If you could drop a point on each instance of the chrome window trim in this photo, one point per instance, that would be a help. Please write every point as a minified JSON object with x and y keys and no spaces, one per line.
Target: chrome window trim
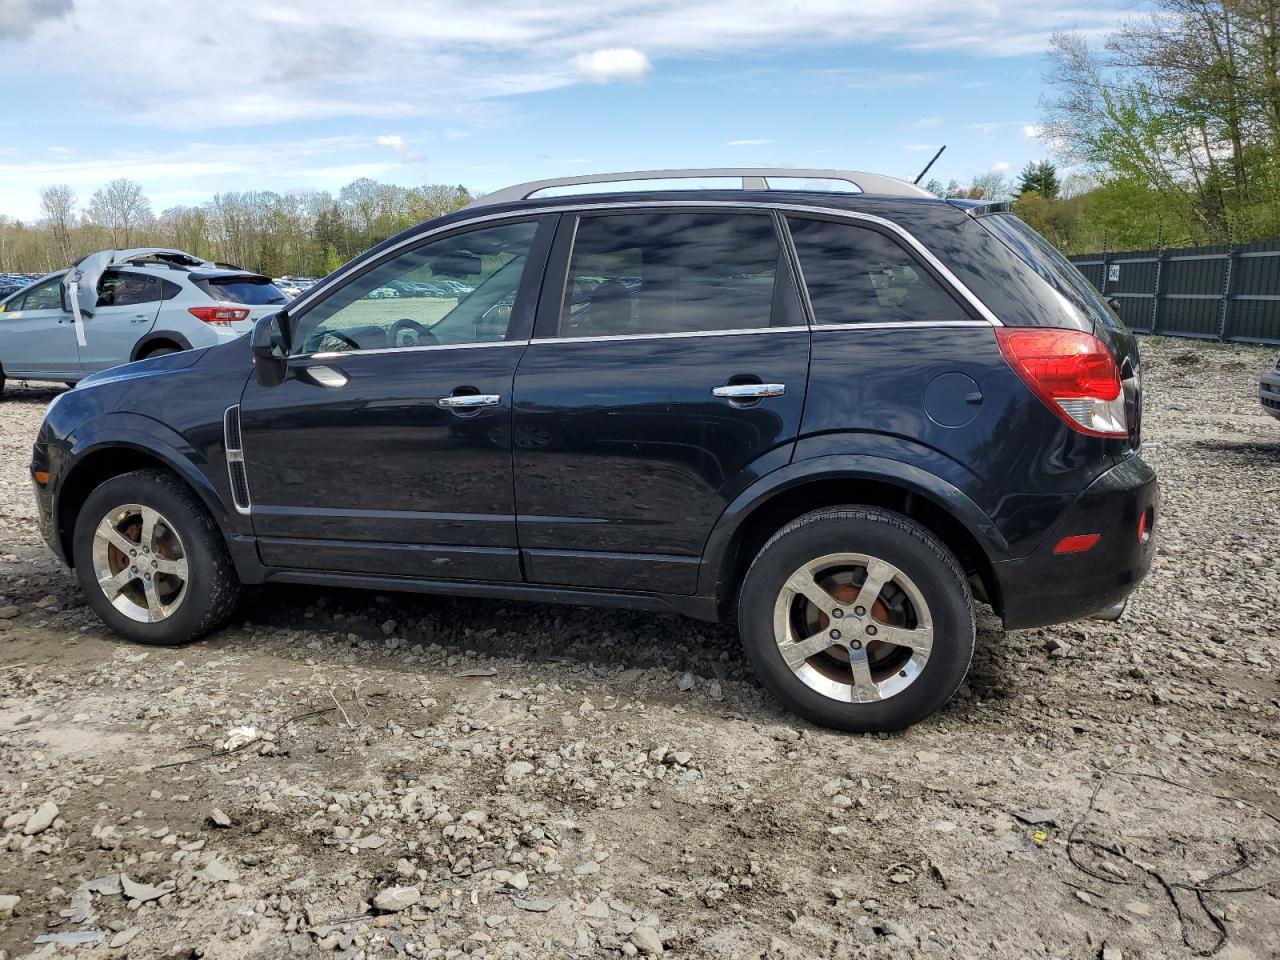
{"x":585,"y":206}
{"x":339,"y":354}
{"x":899,"y":324}
{"x":683,"y":334}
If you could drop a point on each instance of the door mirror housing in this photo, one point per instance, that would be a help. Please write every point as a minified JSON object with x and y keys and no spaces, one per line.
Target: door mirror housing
{"x":270,"y":348}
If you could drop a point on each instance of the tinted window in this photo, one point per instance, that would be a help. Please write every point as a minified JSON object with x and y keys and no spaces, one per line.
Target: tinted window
{"x":857,"y":275}
{"x":671,"y":273}
{"x":119,"y":288}
{"x":47,"y":296}
{"x":247,"y":290}
{"x":460,"y":289}
{"x":1042,"y":257}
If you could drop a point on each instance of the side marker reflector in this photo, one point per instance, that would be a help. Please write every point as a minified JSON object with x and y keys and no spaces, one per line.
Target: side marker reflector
{"x":1079,"y":543}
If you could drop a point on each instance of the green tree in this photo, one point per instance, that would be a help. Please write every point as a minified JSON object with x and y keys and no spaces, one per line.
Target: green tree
{"x":1042,"y":178}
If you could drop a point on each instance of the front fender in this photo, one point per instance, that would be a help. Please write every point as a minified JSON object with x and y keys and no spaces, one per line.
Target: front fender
{"x":846,"y":466}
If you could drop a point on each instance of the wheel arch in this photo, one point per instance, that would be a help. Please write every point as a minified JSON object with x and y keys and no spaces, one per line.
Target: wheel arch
{"x":806,"y":485}
{"x":159,"y":338}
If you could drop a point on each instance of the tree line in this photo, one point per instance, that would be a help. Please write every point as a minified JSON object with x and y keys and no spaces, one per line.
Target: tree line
{"x":278,"y":234}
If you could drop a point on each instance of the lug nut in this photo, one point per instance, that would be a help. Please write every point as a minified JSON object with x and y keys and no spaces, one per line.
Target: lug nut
{"x":871,"y":631}
{"x":856,"y":644}
{"x":860,"y":611}
{"x":835,"y":634}
{"x":837,"y":613}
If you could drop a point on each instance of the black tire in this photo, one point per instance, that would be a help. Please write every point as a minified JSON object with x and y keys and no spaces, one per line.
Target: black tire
{"x":158,"y":352}
{"x":212,"y":588}
{"x":889,"y":537}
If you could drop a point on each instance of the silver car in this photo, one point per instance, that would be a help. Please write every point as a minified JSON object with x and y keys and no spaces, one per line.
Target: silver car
{"x":118,"y":306}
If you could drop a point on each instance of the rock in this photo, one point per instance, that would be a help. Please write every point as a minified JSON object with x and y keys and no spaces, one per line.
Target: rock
{"x":647,"y":940}
{"x":123,"y":937}
{"x":8,"y":612}
{"x":944,"y":826}
{"x":142,"y":892}
{"x":685,"y":683}
{"x":534,"y":906}
{"x":1110,"y":952}
{"x":215,"y":871}
{"x":8,"y":903}
{"x":41,"y":820}
{"x":927,"y":756}
{"x":586,"y":869}
{"x":219,"y":818}
{"x":395,"y":899}
{"x":516,"y":771}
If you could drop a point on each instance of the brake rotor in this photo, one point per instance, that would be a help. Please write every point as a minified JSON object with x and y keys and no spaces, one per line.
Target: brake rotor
{"x":847,"y":593}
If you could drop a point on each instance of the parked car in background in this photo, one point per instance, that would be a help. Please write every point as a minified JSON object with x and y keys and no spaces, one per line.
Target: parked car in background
{"x":13,"y":282}
{"x":1269,"y":391}
{"x":131,"y":304}
{"x":834,"y":417}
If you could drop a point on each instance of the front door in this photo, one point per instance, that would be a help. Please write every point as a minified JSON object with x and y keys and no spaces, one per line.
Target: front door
{"x":124,"y":311}
{"x":667,"y":371}
{"x":387,"y":449}
{"x":37,"y":336}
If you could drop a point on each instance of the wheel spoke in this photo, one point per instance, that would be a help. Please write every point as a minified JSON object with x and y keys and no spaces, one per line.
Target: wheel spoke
{"x":864,"y":689}
{"x":154,"y":607}
{"x":111,"y":586}
{"x":149,"y":518}
{"x":107,"y":530}
{"x":802,"y":582}
{"x":920,"y":639}
{"x":798,"y":651}
{"x":878,"y":574}
{"x":174,"y":568}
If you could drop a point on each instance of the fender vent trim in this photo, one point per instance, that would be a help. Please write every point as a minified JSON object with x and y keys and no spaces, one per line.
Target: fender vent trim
{"x":235,"y":460}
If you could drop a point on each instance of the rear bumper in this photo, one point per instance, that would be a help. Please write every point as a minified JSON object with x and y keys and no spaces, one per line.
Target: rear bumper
{"x":1045,"y":588}
{"x":1269,"y":392}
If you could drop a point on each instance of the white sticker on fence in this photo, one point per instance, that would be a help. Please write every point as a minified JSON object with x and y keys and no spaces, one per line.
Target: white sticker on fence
{"x":1113,"y":272}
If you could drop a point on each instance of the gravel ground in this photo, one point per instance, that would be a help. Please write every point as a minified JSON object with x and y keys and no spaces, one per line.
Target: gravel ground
{"x":438,"y":777}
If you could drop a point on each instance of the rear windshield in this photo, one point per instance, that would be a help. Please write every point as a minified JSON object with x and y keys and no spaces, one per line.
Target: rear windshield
{"x":248,"y":290}
{"x":1045,"y":259}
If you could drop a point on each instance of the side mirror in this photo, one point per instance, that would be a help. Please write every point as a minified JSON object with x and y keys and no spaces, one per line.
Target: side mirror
{"x":270,"y":351}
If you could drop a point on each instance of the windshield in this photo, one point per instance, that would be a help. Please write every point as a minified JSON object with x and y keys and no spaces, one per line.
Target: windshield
{"x":1046,"y":260}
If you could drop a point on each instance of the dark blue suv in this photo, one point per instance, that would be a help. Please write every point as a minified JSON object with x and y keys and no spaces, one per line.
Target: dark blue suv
{"x":828,"y":404}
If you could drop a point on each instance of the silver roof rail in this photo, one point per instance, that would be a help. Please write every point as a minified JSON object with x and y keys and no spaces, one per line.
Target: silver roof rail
{"x":753,"y":178}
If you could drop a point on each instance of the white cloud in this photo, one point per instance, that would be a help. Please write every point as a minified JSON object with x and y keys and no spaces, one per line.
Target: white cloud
{"x":612,"y":63}
{"x":1000,"y":166}
{"x":1031,"y":131}
{"x":400,"y":146}
{"x":928,"y":122}
{"x":756,"y":142}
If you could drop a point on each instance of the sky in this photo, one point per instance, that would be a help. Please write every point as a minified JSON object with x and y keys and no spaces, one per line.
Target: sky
{"x":192,"y":99}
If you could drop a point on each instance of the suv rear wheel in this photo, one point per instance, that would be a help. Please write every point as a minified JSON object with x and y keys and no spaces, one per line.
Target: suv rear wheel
{"x":151,"y":560}
{"x":857,"y":618}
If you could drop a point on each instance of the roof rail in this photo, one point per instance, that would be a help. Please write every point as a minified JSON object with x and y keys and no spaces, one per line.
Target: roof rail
{"x":753,"y":178}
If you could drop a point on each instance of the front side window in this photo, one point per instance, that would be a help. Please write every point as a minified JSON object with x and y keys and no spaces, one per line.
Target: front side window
{"x":120,"y":288}
{"x":47,"y":296}
{"x":858,"y":275}
{"x":459,"y":289}
{"x":651,"y":273}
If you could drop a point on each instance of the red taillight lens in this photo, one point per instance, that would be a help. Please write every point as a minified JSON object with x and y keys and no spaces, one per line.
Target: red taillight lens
{"x":1072,"y":372}
{"x":1080,"y":543}
{"x":219,"y":316}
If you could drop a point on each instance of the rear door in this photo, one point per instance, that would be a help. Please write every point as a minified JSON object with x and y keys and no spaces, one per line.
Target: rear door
{"x":124,"y":311}
{"x":667,"y":371}
{"x":37,"y":337}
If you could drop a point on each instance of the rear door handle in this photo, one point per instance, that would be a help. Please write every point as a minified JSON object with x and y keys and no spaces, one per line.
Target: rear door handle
{"x":749,"y":391}
{"x":470,"y":400}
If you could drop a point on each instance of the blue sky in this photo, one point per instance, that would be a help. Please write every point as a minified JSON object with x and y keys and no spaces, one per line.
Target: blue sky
{"x":192,"y":99}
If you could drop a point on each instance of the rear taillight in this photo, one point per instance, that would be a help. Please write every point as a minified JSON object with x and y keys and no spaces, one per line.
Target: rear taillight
{"x":1072,"y":372}
{"x":219,"y":316}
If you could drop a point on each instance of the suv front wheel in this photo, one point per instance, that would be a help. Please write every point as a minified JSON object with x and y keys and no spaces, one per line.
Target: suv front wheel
{"x":857,"y":618}
{"x":151,"y":560}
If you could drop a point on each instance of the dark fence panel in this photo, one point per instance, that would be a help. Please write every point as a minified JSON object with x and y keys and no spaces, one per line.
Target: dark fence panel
{"x":1218,"y":292}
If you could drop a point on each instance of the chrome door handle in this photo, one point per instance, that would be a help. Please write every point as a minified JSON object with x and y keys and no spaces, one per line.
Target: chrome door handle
{"x":749,"y":391}
{"x":470,"y":400}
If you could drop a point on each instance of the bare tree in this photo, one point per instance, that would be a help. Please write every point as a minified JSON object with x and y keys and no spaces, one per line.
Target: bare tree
{"x":58,"y":204}
{"x":122,"y":208}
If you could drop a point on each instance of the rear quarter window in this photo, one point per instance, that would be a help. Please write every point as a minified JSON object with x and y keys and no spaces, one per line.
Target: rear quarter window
{"x":856,"y":275}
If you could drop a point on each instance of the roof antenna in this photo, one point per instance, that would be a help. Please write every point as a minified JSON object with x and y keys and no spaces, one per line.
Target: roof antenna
{"x":930,"y":164}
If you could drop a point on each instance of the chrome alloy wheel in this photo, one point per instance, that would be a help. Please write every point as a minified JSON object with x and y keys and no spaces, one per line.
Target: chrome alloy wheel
{"x":853,"y":627}
{"x":139,"y":563}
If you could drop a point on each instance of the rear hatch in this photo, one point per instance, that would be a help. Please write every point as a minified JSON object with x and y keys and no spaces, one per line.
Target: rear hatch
{"x":240,"y":289}
{"x":1049,"y":263}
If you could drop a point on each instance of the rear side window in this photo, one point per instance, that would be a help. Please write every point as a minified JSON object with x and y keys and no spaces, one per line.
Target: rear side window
{"x":1042,"y":257}
{"x":856,"y":275}
{"x":250,"y":291}
{"x":121,"y":288}
{"x":650,"y":273}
